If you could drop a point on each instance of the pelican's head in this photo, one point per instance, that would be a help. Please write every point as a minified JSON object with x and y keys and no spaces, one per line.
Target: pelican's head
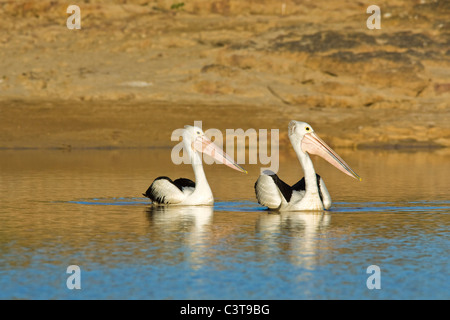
{"x":191,"y":133}
{"x":197,"y":142}
{"x":303,"y":135}
{"x":298,"y":129}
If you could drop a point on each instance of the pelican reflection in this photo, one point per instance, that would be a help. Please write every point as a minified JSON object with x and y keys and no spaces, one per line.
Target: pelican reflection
{"x":189,"y":225}
{"x":296,"y":234}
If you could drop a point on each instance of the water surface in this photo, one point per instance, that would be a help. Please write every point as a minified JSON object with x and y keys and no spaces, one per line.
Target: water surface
{"x":85,"y":208}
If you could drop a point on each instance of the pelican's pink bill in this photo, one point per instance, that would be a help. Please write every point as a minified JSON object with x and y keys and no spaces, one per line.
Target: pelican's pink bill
{"x":312,"y":144}
{"x":206,"y":146}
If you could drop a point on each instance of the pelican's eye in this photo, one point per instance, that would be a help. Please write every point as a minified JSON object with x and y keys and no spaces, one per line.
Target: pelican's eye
{"x":307,"y":128}
{"x":198,"y":132}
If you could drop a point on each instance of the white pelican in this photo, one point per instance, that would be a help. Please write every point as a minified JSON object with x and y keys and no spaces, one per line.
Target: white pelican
{"x":164,"y":191}
{"x":310,"y":193}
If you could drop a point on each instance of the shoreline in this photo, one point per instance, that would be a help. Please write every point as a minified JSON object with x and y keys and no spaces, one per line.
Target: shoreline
{"x":141,"y":125}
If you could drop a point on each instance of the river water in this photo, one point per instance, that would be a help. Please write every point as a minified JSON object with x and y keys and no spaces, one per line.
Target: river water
{"x":84,"y":207}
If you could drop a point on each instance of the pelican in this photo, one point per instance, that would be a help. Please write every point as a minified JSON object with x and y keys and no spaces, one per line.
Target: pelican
{"x":164,"y":191}
{"x":310,"y":193}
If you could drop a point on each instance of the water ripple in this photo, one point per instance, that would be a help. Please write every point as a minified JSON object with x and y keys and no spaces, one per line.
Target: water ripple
{"x":442,"y":206}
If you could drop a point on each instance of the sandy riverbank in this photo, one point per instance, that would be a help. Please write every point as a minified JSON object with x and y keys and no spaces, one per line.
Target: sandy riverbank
{"x":137,"y":70}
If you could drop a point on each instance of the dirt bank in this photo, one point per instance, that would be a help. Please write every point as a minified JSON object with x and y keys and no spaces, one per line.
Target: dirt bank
{"x":137,"y":70}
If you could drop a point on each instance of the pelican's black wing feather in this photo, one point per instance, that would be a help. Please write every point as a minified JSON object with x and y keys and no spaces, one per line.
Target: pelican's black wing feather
{"x":183,"y":182}
{"x":301,"y":186}
{"x":168,"y":192}
{"x":150,"y":191}
{"x":285,"y":189}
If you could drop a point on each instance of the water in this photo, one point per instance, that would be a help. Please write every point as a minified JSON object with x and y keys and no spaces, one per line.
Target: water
{"x":85,"y":208}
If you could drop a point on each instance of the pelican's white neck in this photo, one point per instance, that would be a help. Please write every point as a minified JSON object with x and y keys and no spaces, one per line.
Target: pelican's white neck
{"x":201,"y":184}
{"x":199,"y":173}
{"x":308,"y":167}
